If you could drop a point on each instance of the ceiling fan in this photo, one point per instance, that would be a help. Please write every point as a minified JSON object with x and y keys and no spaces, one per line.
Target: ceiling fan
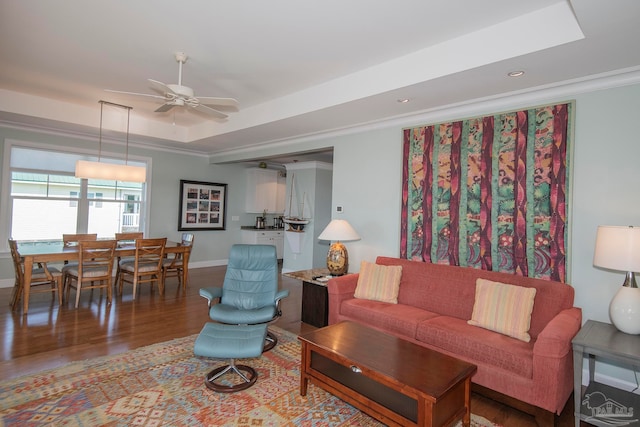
{"x":177,"y":95}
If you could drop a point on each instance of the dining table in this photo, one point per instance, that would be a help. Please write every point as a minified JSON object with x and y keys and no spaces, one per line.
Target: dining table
{"x":34,"y":252}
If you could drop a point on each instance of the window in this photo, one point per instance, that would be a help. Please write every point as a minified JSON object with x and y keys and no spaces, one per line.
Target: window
{"x":45,"y":199}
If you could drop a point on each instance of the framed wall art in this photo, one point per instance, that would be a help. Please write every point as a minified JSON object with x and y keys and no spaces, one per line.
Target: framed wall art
{"x":203,"y":205}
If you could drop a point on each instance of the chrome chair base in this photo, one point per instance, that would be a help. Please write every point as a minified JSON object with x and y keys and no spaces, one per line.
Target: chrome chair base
{"x":247,"y":380}
{"x":270,"y":341}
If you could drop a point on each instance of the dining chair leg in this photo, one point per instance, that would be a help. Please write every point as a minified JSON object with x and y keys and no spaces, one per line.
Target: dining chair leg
{"x":160,"y":278}
{"x":59,"y":284}
{"x":115,"y":282}
{"x":25,"y":299}
{"x":179,"y":280}
{"x":17,"y":295}
{"x":120,"y":284}
{"x":66,"y":284}
{"x":78,"y":287}
{"x":184,"y":277}
{"x":109,"y":292}
{"x":135,"y":286}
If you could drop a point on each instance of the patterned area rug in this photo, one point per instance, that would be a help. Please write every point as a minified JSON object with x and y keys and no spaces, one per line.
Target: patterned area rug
{"x":162,"y":384}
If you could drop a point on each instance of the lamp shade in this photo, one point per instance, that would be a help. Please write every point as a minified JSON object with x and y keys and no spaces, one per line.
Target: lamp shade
{"x":110,"y":171}
{"x":617,"y":248}
{"x":339,"y":229}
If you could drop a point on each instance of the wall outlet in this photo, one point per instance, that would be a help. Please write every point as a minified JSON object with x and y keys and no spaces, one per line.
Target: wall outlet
{"x":235,"y":218}
{"x":339,"y":209}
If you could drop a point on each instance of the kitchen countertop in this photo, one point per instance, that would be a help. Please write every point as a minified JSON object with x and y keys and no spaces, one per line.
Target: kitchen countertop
{"x":253,"y":228}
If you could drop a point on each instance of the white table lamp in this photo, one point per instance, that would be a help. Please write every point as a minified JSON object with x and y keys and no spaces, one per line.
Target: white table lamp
{"x":618,"y":248}
{"x":337,"y":257}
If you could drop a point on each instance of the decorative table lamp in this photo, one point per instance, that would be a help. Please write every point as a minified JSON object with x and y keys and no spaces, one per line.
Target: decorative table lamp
{"x":337,"y":257}
{"x":618,"y":248}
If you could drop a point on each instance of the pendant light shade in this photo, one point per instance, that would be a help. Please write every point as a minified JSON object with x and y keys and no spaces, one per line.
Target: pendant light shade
{"x":110,"y":171}
{"x":101,"y":170}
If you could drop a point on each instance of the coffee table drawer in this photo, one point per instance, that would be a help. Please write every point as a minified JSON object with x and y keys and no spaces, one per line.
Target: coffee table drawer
{"x":353,"y":378}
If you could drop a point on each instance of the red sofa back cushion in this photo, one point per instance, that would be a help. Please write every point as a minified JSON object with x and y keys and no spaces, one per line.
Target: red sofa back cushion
{"x":450,"y":290}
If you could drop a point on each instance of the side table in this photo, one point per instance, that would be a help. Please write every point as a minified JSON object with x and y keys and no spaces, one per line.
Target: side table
{"x":315,"y":299}
{"x":602,"y":404}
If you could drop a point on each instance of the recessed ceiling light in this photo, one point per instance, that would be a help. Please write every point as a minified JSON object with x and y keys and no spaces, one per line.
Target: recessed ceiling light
{"x":516,"y":73}
{"x":403,"y":100}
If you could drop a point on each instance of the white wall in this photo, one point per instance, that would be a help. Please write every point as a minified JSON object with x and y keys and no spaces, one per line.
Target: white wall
{"x":324,"y":188}
{"x":367,"y":181}
{"x":606,"y":167}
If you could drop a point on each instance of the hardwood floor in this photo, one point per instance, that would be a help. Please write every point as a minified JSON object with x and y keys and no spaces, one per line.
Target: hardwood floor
{"x":51,"y":336}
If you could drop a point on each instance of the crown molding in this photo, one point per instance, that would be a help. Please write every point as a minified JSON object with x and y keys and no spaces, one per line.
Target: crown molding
{"x":502,"y":102}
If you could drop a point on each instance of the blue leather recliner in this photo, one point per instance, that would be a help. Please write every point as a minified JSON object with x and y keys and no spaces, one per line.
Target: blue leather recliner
{"x":249,"y":294}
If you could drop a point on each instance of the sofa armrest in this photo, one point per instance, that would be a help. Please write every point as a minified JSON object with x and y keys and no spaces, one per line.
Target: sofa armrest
{"x":553,"y":360}
{"x":340,"y":289}
{"x":555,"y":338}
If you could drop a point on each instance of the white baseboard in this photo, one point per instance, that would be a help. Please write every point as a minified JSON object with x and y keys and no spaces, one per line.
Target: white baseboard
{"x":8,"y":283}
{"x":628,"y":383}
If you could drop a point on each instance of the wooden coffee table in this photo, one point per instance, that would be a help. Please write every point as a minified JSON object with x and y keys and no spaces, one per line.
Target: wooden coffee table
{"x":393,"y":380}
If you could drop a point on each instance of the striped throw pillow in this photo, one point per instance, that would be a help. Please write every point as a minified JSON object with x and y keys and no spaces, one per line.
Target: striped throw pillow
{"x":379,"y":282}
{"x":503,"y":308}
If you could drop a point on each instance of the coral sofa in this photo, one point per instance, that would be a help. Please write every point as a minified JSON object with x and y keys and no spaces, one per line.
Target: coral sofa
{"x":434,"y":304}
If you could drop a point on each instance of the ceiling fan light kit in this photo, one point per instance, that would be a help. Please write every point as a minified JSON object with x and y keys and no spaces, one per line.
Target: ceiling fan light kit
{"x":177,"y":95}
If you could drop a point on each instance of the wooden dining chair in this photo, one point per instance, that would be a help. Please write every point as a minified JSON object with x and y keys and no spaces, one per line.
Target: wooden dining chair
{"x":129,"y":237}
{"x":74,"y":239}
{"x":174,"y":265}
{"x":43,"y":279}
{"x":70,"y":240}
{"x":146,"y":266}
{"x":124,"y":238}
{"x":94,"y":269}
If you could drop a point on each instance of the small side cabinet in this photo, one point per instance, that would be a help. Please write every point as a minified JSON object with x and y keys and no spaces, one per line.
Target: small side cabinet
{"x":265,"y":237}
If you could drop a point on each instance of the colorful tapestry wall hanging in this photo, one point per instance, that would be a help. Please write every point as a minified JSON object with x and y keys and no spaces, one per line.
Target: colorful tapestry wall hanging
{"x":489,"y":192}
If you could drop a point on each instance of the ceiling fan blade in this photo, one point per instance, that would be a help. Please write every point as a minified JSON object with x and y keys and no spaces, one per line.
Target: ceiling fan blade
{"x":210,"y":111}
{"x":135,"y":93}
{"x":212,"y":100}
{"x":164,"y":108}
{"x":160,"y":87}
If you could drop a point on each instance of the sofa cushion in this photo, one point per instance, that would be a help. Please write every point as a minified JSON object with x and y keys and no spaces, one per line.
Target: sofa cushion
{"x":478,"y":345}
{"x":503,"y":308}
{"x":395,"y":318}
{"x":378,"y":282}
{"x":431,"y":288}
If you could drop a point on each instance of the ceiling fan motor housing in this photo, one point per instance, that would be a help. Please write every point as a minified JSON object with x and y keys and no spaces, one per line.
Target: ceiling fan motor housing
{"x":182,"y":91}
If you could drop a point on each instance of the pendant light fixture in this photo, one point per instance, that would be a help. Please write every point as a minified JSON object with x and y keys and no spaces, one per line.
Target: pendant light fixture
{"x":111,"y":171}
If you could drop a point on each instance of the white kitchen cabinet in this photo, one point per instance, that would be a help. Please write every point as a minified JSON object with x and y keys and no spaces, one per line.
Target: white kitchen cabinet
{"x":261,"y":190}
{"x":265,"y":237}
